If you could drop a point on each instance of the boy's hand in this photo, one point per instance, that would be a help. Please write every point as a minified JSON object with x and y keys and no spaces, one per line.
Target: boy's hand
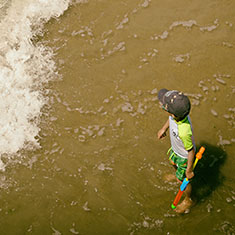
{"x":189,"y":174}
{"x":161,"y":134}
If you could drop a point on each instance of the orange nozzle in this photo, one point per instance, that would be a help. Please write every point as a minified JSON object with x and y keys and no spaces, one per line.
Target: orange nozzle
{"x":200,"y":152}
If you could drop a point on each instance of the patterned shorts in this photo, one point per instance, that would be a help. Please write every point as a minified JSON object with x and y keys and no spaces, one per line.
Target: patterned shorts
{"x":180,"y":163}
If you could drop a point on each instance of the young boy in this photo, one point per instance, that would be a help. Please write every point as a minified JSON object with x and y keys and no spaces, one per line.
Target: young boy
{"x":182,"y":149}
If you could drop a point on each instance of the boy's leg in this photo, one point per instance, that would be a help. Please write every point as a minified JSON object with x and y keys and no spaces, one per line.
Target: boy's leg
{"x":171,"y":177}
{"x":188,"y":191}
{"x":187,"y":202}
{"x":180,"y":173}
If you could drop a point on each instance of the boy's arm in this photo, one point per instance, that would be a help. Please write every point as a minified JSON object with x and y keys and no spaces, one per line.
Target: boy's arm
{"x":189,"y":170}
{"x":162,"y":132}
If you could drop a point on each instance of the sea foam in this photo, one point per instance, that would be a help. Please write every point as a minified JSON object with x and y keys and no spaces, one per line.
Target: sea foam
{"x":25,"y":67}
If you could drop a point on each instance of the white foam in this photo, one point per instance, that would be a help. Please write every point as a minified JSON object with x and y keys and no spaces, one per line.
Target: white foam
{"x":24,"y":68}
{"x":123,"y":22}
{"x":145,"y":3}
{"x":181,"y":58}
{"x":211,"y":27}
{"x":187,"y":24}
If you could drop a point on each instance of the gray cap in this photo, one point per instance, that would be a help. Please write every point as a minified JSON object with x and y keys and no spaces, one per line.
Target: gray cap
{"x":175,"y":102}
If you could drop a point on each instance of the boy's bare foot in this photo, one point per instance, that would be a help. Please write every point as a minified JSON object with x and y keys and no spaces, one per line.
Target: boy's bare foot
{"x":169,"y":177}
{"x":184,"y":206}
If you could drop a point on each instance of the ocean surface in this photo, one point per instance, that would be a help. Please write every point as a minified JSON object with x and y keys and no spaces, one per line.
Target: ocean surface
{"x":79,"y":115}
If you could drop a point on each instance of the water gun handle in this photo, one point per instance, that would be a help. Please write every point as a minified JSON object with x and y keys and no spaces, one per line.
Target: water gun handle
{"x":184,"y":184}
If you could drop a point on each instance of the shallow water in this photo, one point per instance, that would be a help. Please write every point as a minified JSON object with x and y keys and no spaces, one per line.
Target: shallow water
{"x":86,"y":159}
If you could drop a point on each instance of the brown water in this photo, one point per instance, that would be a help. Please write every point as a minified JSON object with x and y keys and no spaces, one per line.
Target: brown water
{"x":100,"y":167}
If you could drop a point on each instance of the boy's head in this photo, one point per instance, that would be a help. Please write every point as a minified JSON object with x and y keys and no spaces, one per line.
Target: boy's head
{"x":174,"y":102}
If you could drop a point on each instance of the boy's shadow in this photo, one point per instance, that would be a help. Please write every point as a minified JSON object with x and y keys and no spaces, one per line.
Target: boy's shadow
{"x":207,"y":172}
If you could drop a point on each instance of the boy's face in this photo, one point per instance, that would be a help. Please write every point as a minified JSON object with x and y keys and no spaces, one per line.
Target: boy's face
{"x":162,"y":107}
